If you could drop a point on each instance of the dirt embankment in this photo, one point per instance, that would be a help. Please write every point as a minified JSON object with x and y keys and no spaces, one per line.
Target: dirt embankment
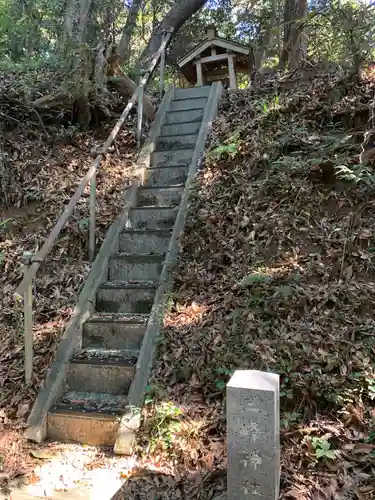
{"x":277,"y":273}
{"x":41,"y":165}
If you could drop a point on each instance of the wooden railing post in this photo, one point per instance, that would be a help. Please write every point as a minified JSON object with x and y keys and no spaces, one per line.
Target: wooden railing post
{"x":28,"y":317}
{"x":162,"y":68}
{"x":92,"y":208}
{"x":140,"y":113}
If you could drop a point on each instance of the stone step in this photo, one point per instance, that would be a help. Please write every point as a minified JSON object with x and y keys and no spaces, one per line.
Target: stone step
{"x":126,"y":297}
{"x":106,"y":371}
{"x":176,"y":142}
{"x":126,"y":266}
{"x":181,"y":128}
{"x":145,"y":240}
{"x":174,"y":175}
{"x":160,"y":196}
{"x":192,"y":92}
{"x":193,"y":115}
{"x":153,"y":217}
{"x":171,"y":157}
{"x":89,"y":418}
{"x":188,"y":104}
{"x":114,"y":331}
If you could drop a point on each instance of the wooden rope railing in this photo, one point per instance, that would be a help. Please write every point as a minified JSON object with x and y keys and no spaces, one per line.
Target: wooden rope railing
{"x":31,"y":263}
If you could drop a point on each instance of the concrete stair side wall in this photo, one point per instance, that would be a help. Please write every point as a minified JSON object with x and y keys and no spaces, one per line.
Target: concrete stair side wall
{"x":130,"y":421}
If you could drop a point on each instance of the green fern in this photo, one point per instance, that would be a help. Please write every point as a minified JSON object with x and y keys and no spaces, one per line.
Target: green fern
{"x":357,"y":173}
{"x":229,"y":147}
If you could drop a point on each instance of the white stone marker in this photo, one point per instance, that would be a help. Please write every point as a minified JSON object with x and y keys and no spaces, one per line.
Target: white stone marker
{"x":253,"y":440}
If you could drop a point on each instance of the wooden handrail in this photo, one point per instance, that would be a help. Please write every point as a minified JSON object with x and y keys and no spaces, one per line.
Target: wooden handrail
{"x":48,"y":244}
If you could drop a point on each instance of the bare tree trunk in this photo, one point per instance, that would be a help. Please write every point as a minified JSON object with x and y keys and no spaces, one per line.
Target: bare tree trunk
{"x":266,"y":39}
{"x":295,"y":41}
{"x":127,"y":32}
{"x":173,"y":21}
{"x":351,"y":24}
{"x":288,"y":15}
{"x":84,"y":11}
{"x":68,"y":23}
{"x":299,"y":45}
{"x":76,"y":19}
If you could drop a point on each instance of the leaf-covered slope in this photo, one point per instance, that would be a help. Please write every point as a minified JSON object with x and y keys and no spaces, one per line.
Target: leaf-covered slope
{"x":277,"y":273}
{"x":40,"y":168}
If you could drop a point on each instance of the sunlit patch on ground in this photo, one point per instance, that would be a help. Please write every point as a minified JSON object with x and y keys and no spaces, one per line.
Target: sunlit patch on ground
{"x":70,"y":470}
{"x":65,"y":468}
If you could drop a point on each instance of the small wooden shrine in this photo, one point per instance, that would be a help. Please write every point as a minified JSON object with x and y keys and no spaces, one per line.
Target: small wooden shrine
{"x":215,"y":59}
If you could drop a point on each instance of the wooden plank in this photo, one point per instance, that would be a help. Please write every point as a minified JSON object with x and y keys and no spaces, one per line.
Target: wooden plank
{"x":28,"y":322}
{"x":199,"y":74}
{"x":217,"y":78}
{"x":139,"y":118}
{"x":210,"y":59}
{"x":162,"y":72}
{"x":44,"y":251}
{"x":232,"y":73}
{"x":92,"y":211}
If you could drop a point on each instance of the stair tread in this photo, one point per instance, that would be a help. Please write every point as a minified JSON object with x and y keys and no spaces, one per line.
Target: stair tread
{"x":119,"y":318}
{"x":141,"y":231}
{"x":170,"y":134}
{"x":166,"y":188}
{"x":173,"y":136}
{"x":106,"y":356}
{"x":90,"y":402}
{"x":191,"y":98}
{"x":176,"y":150}
{"x":130,"y":284}
{"x":183,"y":110}
{"x":155,"y":207}
{"x":138,"y":256}
{"x":152,"y":167}
{"x":179,"y":123}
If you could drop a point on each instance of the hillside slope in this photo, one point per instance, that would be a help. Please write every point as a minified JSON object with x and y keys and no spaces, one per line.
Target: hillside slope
{"x":41,"y":166}
{"x":276,"y":273}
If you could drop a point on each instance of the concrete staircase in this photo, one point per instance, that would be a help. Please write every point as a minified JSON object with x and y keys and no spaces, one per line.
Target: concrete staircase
{"x":100,"y":374}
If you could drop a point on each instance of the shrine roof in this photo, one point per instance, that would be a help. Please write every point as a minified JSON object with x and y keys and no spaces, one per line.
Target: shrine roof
{"x":217,"y":41}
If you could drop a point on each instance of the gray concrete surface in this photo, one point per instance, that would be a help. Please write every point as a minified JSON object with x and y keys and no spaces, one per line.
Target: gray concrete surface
{"x":253,"y":436}
{"x":160,"y":196}
{"x":145,"y":240}
{"x":135,"y":267}
{"x":130,"y":421}
{"x":114,"y":331}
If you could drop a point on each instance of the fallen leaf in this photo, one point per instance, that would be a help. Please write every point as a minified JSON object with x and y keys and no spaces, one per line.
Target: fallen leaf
{"x":44,"y":454}
{"x":23,"y":408}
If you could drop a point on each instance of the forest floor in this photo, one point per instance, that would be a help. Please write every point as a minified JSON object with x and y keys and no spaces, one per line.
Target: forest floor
{"x":276,"y":273}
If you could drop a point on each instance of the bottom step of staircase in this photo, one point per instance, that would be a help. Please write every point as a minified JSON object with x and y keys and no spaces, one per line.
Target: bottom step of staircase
{"x":86,"y":417}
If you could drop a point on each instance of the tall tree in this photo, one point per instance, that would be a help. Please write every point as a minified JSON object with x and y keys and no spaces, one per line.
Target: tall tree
{"x":127,"y":32}
{"x":295,"y":42}
{"x":172,"y":22}
{"x":267,"y":36}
